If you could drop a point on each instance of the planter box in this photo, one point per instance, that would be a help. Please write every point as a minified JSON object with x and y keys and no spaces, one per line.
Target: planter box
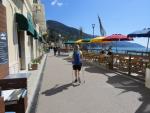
{"x":147,"y":78}
{"x":33,"y":66}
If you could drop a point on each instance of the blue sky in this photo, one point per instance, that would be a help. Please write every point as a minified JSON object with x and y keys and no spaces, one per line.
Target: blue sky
{"x":118,"y":16}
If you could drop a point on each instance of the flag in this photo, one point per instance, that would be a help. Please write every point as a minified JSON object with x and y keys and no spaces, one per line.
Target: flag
{"x":102,"y":30}
{"x":80,"y":32}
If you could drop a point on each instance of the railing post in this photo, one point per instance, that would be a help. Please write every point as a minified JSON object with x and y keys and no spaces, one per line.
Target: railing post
{"x":110,"y":62}
{"x":129,"y":65}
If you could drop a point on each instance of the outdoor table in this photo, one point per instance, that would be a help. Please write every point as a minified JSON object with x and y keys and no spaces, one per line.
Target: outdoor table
{"x":14,"y":81}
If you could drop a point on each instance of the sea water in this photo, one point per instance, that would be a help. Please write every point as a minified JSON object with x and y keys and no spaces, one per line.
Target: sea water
{"x":120,"y":49}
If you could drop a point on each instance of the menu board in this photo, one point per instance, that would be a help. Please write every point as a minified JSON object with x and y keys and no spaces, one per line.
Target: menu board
{"x":3,"y":48}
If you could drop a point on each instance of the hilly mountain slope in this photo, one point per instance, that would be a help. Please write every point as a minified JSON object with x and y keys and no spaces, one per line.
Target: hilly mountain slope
{"x":70,"y":33}
{"x":65,"y":31}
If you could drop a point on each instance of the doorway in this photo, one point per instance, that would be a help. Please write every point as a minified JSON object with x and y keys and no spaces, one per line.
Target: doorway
{"x":31,"y":50}
{"x":21,"y":49}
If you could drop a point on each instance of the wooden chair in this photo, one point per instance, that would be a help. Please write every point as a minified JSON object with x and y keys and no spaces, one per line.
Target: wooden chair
{"x":102,"y":58}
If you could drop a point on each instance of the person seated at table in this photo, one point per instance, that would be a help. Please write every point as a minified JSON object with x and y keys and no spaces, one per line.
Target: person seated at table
{"x":110,"y":58}
{"x":109,"y":51}
{"x":102,"y":52}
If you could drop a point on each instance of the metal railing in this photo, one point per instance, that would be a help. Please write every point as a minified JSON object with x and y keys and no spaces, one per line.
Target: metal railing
{"x":129,"y":62}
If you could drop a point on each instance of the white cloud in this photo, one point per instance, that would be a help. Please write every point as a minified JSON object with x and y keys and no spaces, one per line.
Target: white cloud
{"x":59,"y":3}
{"x":56,"y":2}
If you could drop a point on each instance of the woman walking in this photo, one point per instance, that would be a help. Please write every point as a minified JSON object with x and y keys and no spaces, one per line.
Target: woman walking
{"x":77,"y":63}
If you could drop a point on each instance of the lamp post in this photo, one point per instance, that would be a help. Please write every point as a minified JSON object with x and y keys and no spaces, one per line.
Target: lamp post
{"x":93,"y":26}
{"x":59,"y":40}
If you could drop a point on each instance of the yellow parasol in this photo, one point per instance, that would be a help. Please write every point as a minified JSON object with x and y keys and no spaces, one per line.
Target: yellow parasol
{"x":83,"y":41}
{"x":98,"y":40}
{"x":79,"y":41}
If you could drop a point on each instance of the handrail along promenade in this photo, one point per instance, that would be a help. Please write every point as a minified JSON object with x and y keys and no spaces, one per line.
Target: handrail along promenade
{"x":129,"y":62}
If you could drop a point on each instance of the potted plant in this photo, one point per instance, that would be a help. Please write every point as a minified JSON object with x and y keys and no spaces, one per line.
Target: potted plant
{"x":34,"y":64}
{"x":147,"y":76}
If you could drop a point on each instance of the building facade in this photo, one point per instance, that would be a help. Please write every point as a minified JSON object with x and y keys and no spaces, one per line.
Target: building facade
{"x":24,"y":33}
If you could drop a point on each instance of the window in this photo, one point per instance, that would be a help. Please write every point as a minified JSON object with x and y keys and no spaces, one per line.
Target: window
{"x":35,"y":1}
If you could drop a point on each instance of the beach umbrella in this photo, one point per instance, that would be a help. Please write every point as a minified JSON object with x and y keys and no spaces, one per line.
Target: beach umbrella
{"x":78,"y":41}
{"x":117,"y":37}
{"x":86,"y":40}
{"x":141,"y":33}
{"x":69,"y":42}
{"x":98,"y":40}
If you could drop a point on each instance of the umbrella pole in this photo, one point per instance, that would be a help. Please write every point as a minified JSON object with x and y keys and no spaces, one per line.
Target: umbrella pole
{"x":116,"y":47}
{"x":147,"y":45}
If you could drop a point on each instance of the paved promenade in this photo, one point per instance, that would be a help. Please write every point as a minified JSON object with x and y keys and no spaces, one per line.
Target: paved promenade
{"x":103,"y":91}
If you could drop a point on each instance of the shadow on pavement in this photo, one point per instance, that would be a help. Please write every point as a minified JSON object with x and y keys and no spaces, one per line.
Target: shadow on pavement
{"x":62,"y":55}
{"x":128,"y":85}
{"x":119,"y":81}
{"x":68,"y":59}
{"x":57,"y":89}
{"x":94,"y":69}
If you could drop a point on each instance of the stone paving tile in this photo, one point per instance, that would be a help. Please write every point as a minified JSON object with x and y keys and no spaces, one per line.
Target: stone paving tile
{"x":32,"y":83}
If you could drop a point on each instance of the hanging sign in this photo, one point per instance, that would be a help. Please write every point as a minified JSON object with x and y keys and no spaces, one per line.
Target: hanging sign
{"x":3,"y":48}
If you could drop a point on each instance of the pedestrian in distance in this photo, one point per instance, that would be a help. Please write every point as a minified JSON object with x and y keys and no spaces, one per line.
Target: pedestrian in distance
{"x":58,"y":51}
{"x":77,"y":63}
{"x":49,"y":48}
{"x":55,"y":50}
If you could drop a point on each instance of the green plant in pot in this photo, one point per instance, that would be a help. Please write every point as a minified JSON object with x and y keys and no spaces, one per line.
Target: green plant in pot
{"x":36,"y":61}
{"x":34,"y":64}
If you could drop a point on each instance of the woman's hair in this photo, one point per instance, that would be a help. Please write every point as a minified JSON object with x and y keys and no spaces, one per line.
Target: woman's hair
{"x":76,"y":50}
{"x":76,"y":47}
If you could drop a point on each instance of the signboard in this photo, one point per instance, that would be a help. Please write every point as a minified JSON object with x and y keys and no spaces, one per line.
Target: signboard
{"x":3,"y":48}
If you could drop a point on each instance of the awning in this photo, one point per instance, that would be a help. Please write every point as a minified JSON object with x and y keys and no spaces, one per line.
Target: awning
{"x":41,"y":39}
{"x":24,"y":24}
{"x":36,"y":35}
